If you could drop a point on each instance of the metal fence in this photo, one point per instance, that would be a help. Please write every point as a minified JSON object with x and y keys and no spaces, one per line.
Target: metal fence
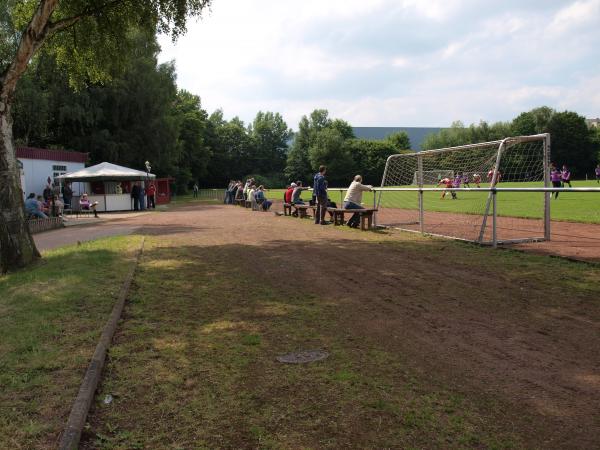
{"x":211,"y":194}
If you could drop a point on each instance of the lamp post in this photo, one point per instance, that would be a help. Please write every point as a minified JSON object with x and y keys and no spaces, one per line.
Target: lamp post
{"x":148,"y":169}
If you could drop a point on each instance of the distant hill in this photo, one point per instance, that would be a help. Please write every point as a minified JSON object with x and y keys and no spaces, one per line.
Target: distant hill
{"x":415,"y":134}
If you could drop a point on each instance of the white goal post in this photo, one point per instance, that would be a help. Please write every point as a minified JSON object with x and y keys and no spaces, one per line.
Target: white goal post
{"x":417,"y":203}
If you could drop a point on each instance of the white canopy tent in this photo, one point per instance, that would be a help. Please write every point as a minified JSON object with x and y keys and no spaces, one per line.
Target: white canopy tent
{"x":110,"y":175}
{"x":107,"y":172}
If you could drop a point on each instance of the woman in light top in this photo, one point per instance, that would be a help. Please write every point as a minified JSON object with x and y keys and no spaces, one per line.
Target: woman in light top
{"x":85,"y":204}
{"x":353,"y":199}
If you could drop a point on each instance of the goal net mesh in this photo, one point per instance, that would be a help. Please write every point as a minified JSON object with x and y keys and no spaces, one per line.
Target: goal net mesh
{"x":467,"y":214}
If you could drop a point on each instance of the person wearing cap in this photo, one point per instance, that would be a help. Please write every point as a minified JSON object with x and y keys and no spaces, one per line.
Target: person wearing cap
{"x":297,"y":192}
{"x":290,"y":191}
{"x":353,"y":199}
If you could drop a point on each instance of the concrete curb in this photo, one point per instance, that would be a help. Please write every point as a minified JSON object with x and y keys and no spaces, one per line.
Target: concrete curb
{"x":76,"y":422}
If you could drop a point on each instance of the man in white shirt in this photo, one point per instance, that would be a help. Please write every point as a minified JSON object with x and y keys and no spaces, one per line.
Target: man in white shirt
{"x":353,"y":199}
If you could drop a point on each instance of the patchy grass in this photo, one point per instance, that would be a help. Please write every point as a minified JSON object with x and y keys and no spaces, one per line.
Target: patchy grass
{"x":194,"y":364}
{"x":51,"y":316}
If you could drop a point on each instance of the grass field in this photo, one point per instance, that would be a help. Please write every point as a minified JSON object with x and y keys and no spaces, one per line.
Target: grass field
{"x":51,"y":317}
{"x":573,"y":207}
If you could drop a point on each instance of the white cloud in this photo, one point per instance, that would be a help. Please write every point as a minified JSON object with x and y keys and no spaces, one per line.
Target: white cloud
{"x":392,"y":62}
{"x":575,"y":15}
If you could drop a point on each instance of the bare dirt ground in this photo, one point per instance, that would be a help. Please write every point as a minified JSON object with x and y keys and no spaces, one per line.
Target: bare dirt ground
{"x":568,"y":239}
{"x":494,"y":330}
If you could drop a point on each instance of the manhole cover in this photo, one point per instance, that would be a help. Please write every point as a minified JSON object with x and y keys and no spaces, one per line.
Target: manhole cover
{"x":303,"y":357}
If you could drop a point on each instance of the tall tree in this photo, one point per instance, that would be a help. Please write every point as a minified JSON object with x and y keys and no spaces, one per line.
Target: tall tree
{"x":86,"y":36}
{"x":270,"y":134}
{"x":298,"y":164}
{"x":572,"y":142}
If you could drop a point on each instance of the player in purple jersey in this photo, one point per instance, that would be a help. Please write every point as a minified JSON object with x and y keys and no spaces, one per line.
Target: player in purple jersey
{"x":456,"y":184}
{"x":465,"y":180}
{"x":556,"y":178}
{"x":597,"y":173}
{"x":565,"y":175}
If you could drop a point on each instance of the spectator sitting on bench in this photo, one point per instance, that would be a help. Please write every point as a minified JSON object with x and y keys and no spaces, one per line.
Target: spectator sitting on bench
{"x":43,"y":207}
{"x":252,"y":197}
{"x":259,"y":195}
{"x":86,"y":205}
{"x":289,"y":192}
{"x":32,"y":207}
{"x":288,"y":196}
{"x":297,"y":192}
{"x":265,"y":203}
{"x":353,"y":199}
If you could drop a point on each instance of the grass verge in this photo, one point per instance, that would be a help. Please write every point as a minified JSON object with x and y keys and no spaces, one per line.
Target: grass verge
{"x":51,"y":316}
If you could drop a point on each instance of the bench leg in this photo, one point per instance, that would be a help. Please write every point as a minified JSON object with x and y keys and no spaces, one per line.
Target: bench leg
{"x":363,"y":220}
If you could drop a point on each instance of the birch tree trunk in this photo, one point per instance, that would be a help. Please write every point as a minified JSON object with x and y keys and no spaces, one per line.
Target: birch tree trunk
{"x":17,"y":248}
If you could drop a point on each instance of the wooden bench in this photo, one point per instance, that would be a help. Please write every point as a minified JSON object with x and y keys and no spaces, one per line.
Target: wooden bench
{"x":303,"y":210}
{"x":366,"y":216}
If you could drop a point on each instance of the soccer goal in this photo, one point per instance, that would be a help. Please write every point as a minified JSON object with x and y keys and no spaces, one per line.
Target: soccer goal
{"x":452,"y":192}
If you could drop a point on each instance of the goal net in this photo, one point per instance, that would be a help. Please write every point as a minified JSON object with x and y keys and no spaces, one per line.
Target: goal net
{"x":432,"y":176}
{"x":463,"y":203}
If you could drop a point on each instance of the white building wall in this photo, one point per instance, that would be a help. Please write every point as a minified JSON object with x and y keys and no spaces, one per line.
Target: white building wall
{"x":37,"y":171}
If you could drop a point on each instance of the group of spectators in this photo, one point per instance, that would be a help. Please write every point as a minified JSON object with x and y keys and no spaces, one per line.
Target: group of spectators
{"x":320,"y":197}
{"x":49,"y":203}
{"x":143,"y":196}
{"x":248,"y":191}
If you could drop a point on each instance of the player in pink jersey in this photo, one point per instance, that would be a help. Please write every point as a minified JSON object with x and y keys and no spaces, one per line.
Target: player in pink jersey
{"x":477,"y":179}
{"x":448,"y":183}
{"x":491,"y":176}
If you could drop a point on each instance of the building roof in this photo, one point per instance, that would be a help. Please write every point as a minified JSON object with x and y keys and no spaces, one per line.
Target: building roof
{"x":107,"y":172}
{"x":416,"y":134}
{"x":51,"y":155}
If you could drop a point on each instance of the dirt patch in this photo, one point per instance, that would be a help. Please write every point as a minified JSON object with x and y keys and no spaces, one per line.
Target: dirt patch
{"x":492,"y":326}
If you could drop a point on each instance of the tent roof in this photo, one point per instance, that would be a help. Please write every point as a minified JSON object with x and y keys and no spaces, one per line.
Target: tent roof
{"x":107,"y":172}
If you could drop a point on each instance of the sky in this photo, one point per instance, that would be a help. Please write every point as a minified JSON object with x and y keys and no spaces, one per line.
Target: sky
{"x":392,"y":62}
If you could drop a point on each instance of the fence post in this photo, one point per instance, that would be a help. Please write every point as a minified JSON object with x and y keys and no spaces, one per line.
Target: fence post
{"x":494,"y":218}
{"x":547,"y":195}
{"x":420,"y":184}
{"x":374,"y":207}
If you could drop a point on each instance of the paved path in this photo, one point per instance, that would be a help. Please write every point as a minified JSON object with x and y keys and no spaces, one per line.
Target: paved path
{"x":82,"y":230}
